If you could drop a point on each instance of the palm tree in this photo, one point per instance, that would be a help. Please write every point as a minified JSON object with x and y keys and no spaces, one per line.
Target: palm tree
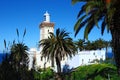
{"x":19,"y":60}
{"x":80,"y":44}
{"x":57,"y":47}
{"x":19,"y":57}
{"x":90,"y":45}
{"x":106,"y":10}
{"x":100,"y":43}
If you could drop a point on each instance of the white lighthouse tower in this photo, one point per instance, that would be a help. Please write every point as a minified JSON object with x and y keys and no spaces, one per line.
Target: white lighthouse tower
{"x":46,"y":26}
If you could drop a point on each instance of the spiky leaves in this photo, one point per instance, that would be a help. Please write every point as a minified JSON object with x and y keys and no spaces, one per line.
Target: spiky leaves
{"x":91,"y":13}
{"x":80,"y":44}
{"x":19,"y":55}
{"x":109,"y":11}
{"x":57,"y":47}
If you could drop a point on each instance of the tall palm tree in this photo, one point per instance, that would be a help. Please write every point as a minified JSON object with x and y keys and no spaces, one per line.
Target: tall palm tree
{"x":106,"y":10}
{"x":57,"y":47}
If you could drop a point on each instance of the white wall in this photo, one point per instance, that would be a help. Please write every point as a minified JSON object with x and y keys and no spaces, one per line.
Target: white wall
{"x":82,"y":58}
{"x":44,"y":32}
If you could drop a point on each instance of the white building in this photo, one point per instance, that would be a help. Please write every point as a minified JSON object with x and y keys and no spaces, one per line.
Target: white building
{"x":82,"y":58}
{"x":86,"y":58}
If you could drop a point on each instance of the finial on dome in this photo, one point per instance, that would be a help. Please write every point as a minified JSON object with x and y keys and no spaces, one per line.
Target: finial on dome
{"x":47,"y":17}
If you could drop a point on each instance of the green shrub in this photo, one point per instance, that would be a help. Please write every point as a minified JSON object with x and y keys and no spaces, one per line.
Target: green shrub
{"x":94,"y":72}
{"x":43,"y":74}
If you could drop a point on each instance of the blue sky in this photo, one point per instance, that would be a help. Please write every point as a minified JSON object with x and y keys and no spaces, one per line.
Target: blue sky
{"x":28,"y":14}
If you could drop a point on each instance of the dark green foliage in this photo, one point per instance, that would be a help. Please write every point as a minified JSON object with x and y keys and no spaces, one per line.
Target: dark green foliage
{"x":15,"y":65}
{"x":80,"y":44}
{"x":58,"y":46}
{"x":42,"y":74}
{"x":94,"y":72}
{"x":94,"y":11}
{"x":92,"y":45}
{"x":19,"y":56}
{"x":91,"y":12}
{"x":8,"y":72}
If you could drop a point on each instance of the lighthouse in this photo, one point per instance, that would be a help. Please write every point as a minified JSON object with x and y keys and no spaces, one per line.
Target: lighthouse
{"x":46,"y":26}
{"x":82,"y":58}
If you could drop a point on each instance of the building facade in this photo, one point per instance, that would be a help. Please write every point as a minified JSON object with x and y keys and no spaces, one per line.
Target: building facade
{"x":46,"y":26}
{"x":82,"y":58}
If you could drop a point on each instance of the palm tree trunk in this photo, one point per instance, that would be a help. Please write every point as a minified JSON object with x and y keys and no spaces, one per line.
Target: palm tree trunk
{"x":115,"y":31}
{"x":59,"y":77}
{"x":106,"y":53}
{"x":58,"y":65}
{"x":116,"y":48}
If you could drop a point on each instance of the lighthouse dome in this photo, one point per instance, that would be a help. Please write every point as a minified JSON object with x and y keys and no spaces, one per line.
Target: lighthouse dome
{"x":46,"y":17}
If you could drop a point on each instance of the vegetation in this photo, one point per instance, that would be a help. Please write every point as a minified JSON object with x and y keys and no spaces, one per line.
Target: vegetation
{"x":42,"y":74}
{"x":57,"y":47}
{"x":93,"y":72}
{"x":92,"y":45}
{"x":108,"y":12}
{"x":15,"y":65}
{"x":80,"y":44}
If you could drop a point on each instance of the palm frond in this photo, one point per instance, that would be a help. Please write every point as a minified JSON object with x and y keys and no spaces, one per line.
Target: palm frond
{"x":88,"y":29}
{"x":82,"y":10}
{"x":57,"y":46}
{"x":75,"y":1}
{"x":103,"y":26}
{"x":79,"y":24}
